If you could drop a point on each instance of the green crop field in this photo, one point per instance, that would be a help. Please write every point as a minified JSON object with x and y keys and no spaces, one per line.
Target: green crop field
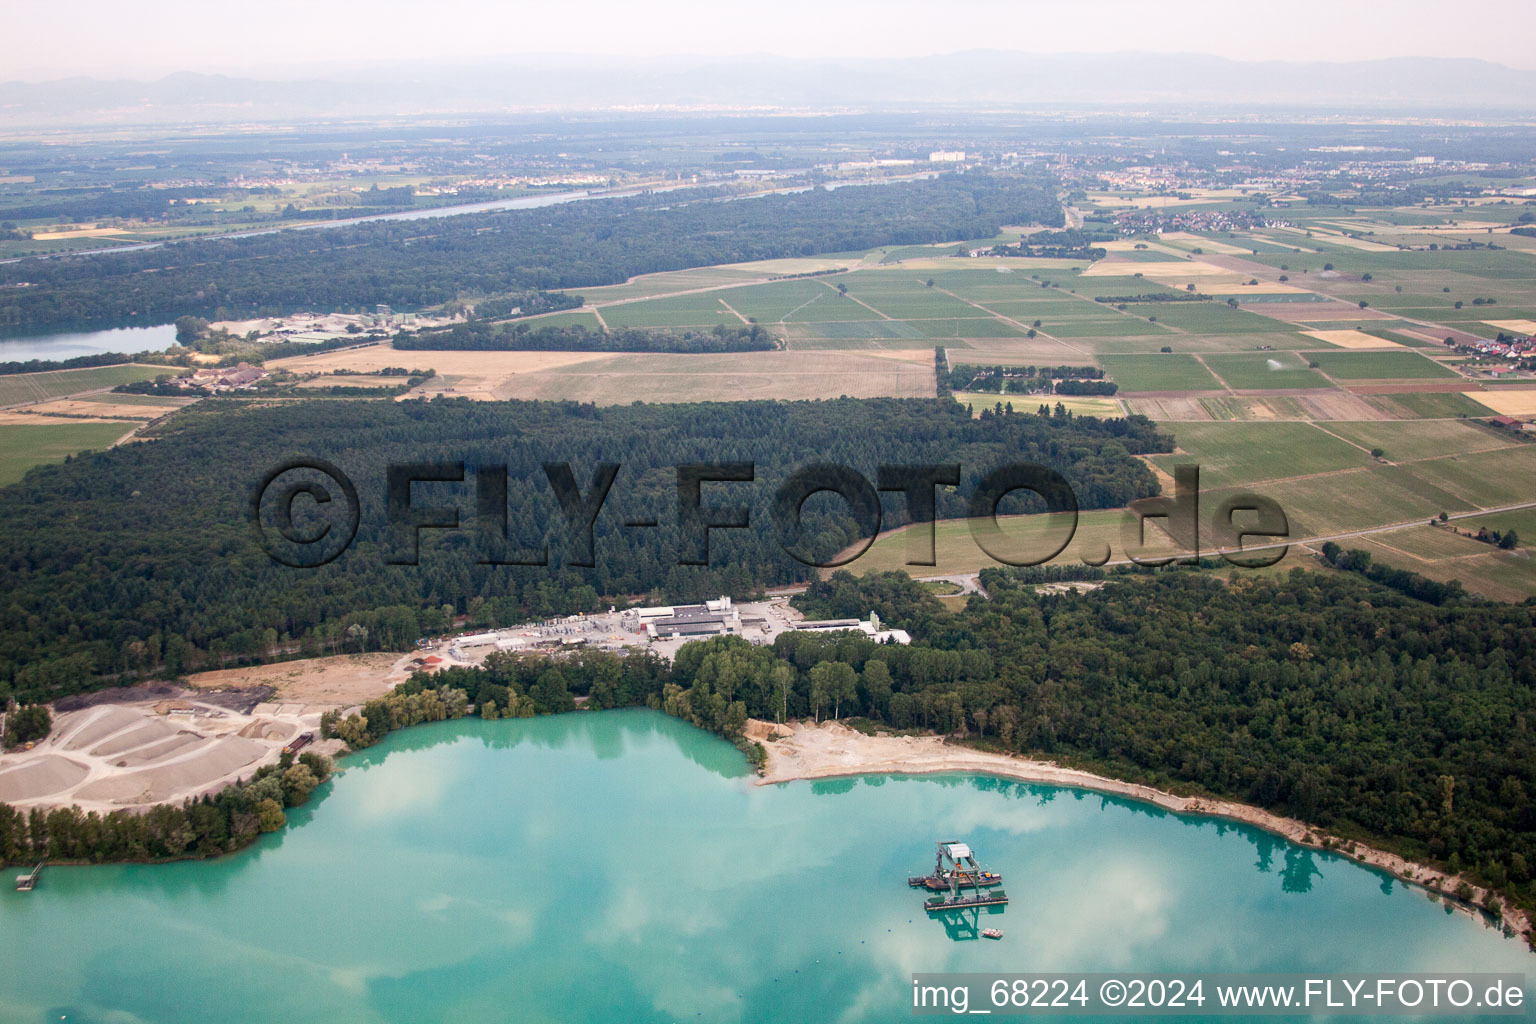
{"x":1435,"y":404}
{"x":1025,"y":537}
{"x":1244,"y":452}
{"x":39,"y":387}
{"x":575,"y":318}
{"x":1101,"y":327}
{"x":1337,"y":503}
{"x":1379,"y":366}
{"x":853,"y":330}
{"x":797,"y":300}
{"x":971,"y":327}
{"x":667,"y":282}
{"x":1049,"y":306}
{"x":1484,"y":479}
{"x":1261,"y":370}
{"x":1165,"y":371}
{"x":1205,"y":317}
{"x":1441,"y":555}
{"x":1421,"y":439}
{"x":23,"y":445}
{"x":904,"y":297}
{"x":699,"y":310}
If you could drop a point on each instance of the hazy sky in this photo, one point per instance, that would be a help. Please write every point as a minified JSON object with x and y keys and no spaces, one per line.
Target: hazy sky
{"x":282,"y":38}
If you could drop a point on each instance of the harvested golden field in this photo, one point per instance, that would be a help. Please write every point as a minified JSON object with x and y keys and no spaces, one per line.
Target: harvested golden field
{"x":1518,"y":326}
{"x":1507,"y":402}
{"x":373,"y":358}
{"x":737,"y":376}
{"x":76,"y":409}
{"x":1351,"y":339}
{"x":1209,"y":245}
{"x":352,"y":380}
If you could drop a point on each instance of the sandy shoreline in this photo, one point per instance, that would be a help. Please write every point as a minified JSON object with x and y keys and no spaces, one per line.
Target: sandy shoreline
{"x":832,"y":750}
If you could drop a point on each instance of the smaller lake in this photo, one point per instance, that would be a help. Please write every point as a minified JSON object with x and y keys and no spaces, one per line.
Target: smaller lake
{"x":68,"y":344}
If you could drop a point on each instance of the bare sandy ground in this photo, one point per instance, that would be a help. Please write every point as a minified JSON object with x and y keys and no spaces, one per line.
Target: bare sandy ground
{"x":137,"y":753}
{"x":131,"y":755}
{"x":807,"y":751}
{"x":339,"y":681}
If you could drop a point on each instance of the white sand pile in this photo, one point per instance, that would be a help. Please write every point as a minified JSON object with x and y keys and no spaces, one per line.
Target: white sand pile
{"x":148,"y":731}
{"x":164,"y":781}
{"x":95,"y":724}
{"x":40,"y":776}
{"x":181,"y":743}
{"x":266,"y":729}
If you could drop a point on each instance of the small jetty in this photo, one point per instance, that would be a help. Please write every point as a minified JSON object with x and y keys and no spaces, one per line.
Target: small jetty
{"x":28,"y":882}
{"x":956,"y":869}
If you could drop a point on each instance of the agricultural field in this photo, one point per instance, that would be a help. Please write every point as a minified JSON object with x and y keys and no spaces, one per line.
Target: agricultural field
{"x":27,"y":388}
{"x":1423,"y":439}
{"x":1166,"y":371}
{"x":24,"y":445}
{"x":1260,"y":371}
{"x":1440,"y":554}
{"x":737,"y":376}
{"x":1203,"y":317}
{"x":1025,"y":537}
{"x":1435,"y":404}
{"x":1236,"y":391}
{"x":1379,"y":366}
{"x":1241,"y":453}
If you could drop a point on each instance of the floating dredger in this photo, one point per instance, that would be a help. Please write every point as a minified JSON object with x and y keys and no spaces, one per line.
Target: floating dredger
{"x":955,"y":868}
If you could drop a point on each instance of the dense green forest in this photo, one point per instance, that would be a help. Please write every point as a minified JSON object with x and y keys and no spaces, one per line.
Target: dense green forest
{"x":417,"y":263}
{"x":1317,"y":695}
{"x":141,"y":558}
{"x":482,"y":337}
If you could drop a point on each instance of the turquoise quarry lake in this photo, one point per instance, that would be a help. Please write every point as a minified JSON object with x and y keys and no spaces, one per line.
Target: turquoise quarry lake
{"x":621,"y":866}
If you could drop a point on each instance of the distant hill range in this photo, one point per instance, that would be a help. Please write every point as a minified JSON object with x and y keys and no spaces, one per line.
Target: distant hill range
{"x":977,"y":79}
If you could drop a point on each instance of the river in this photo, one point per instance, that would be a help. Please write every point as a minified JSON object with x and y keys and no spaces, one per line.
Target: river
{"x":620,"y":866}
